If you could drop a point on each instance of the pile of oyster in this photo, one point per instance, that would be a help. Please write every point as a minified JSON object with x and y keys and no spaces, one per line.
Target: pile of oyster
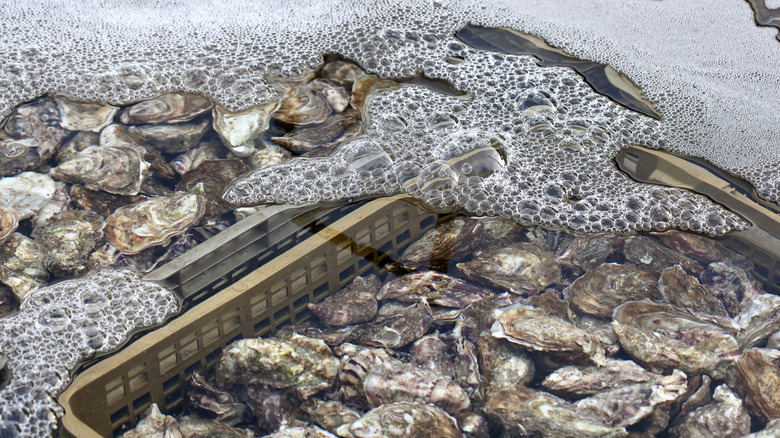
{"x":483,"y":328}
{"x":91,"y":184}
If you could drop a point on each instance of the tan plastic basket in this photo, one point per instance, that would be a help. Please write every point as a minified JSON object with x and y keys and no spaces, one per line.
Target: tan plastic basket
{"x":107,"y":398}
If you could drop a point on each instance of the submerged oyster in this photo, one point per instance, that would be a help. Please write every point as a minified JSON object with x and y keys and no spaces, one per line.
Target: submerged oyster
{"x":522,"y":268}
{"x":329,"y":415}
{"x":607,"y":286}
{"x":524,"y":411}
{"x":172,"y":139}
{"x":302,"y":364}
{"x":26,"y":193}
{"x":586,"y":252}
{"x":101,"y":202}
{"x":732,"y":283}
{"x":757,"y":380}
{"x":403,"y":419}
{"x":396,"y":330}
{"x":323,"y":136}
{"x":8,"y":222}
{"x":133,"y":228}
{"x":301,"y":104}
{"x":154,"y":424}
{"x":448,"y":241}
{"x":759,"y":319}
{"x":589,"y":379}
{"x":217,"y":404}
{"x":114,"y":169}
{"x":209,"y":180}
{"x":30,"y":136}
{"x":21,"y":264}
{"x":355,"y":304}
{"x":502,"y":365}
{"x":703,"y":249}
{"x":9,"y":303}
{"x":537,"y":330}
{"x":168,"y":108}
{"x":239,"y":130}
{"x":84,"y":116}
{"x":301,"y":432}
{"x":68,"y":240}
{"x":76,"y":144}
{"x":435,"y":287}
{"x":683,"y":290}
{"x":724,"y":417}
{"x":650,"y":254}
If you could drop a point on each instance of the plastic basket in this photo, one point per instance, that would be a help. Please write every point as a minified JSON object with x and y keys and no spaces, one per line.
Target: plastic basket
{"x":106,"y":399}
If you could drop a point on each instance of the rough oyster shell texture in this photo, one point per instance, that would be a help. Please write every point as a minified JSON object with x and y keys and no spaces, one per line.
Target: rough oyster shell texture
{"x":522,"y":268}
{"x":114,"y":169}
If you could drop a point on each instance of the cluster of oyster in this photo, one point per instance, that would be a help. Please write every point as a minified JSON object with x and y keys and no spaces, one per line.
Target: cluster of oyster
{"x":535,"y":333}
{"x":91,"y":184}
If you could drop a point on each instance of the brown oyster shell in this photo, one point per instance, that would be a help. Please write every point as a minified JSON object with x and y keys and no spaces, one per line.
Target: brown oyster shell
{"x":757,"y":380}
{"x":326,"y":135}
{"x":601,"y":329}
{"x":478,"y":316}
{"x":114,"y":169}
{"x":341,"y":73}
{"x":683,"y":290}
{"x":8,"y":222}
{"x":650,"y":254}
{"x":206,"y":150}
{"x":101,"y":202}
{"x":172,"y":139}
{"x":84,"y":116}
{"x":329,"y":414}
{"x":724,"y":417}
{"x":522,"y":268}
{"x":239,"y":130}
{"x":731,"y":282}
{"x":404,"y":419}
{"x":30,"y":136}
{"x":553,"y":304}
{"x":523,"y":411}
{"x":205,"y":398}
{"x":450,"y":240}
{"x":76,"y":144}
{"x":59,"y":203}
{"x":396,"y":330}
{"x":68,"y":240}
{"x":432,"y":353}
{"x":161,"y":218}
{"x":537,"y":330}
{"x":367,"y":86}
{"x":355,"y":304}
{"x":21,"y":265}
{"x":9,"y":303}
{"x":665,"y":337}
{"x":301,"y":104}
{"x":579,"y":380}
{"x":302,"y":364}
{"x":607,"y":286}
{"x":168,"y":108}
{"x":772,"y":430}
{"x":502,"y":365}
{"x":337,"y":96}
{"x":703,"y":249}
{"x":435,"y":287}
{"x":269,"y":156}
{"x":210,"y":179}
{"x":301,"y":432}
{"x":584,"y":253}
{"x":760,"y":317}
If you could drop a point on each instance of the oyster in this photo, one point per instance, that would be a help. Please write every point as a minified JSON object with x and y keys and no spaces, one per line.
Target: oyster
{"x":192,"y":427}
{"x":435,"y":287}
{"x":724,"y":417}
{"x":627,"y":405}
{"x":586,"y":380}
{"x":8,"y":222}
{"x":301,"y":104}
{"x":703,"y":249}
{"x":68,"y":240}
{"x":220,"y":405}
{"x":502,"y":365}
{"x":30,"y":136}
{"x":523,"y":411}
{"x":239,"y":130}
{"x":522,"y":268}
{"x":552,"y":304}
{"x":356,"y":363}
{"x":607,"y":286}
{"x":323,"y":136}
{"x":114,"y":169}
{"x":401,"y":420}
{"x":341,"y":73}
{"x":337,"y":96}
{"x":757,"y":381}
{"x":154,"y":424}
{"x":354,"y":304}
{"x":329,"y":415}
{"x":210,"y":179}
{"x":26,"y":193}
{"x":76,"y":144}
{"x":206,"y":150}
{"x":367,"y":86}
{"x":448,"y":241}
{"x":396,"y":330}
{"x":478,"y":316}
{"x":431,"y":353}
{"x":268,"y":156}
{"x":172,"y":139}
{"x":683,"y":290}
{"x":101,"y":202}
{"x":584,"y":253}
{"x":665,"y":337}
{"x":9,"y":303}
{"x":772,"y":430}
{"x":168,"y":108}
{"x":271,"y":408}
{"x":601,"y":329}
{"x":301,"y":432}
{"x":301,"y":364}
{"x":57,"y":205}
{"x":83,"y":116}
{"x":21,"y":265}
{"x":732,"y":283}
{"x":133,"y":228}
{"x":537,"y":330}
{"x":650,"y":254}
{"x":759,"y":319}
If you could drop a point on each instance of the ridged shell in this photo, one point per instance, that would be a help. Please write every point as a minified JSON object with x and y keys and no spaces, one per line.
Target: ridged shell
{"x":114,"y":169}
{"x":133,"y":228}
{"x":502,"y":366}
{"x":586,"y":380}
{"x":301,"y":104}
{"x":586,"y":252}
{"x":404,"y":420}
{"x":684,"y":290}
{"x":448,"y":241}
{"x":238,"y":130}
{"x":172,"y":139}
{"x":26,"y":193}
{"x":394,"y":331}
{"x":101,"y":202}
{"x":724,"y":417}
{"x":30,"y":136}
{"x":330,"y":414}
{"x":522,"y":268}
{"x":322,"y":136}
{"x":68,"y":240}
{"x":650,"y":254}
{"x":9,"y":303}
{"x":757,"y":380}
{"x":759,"y":319}
{"x":8,"y":222}
{"x":607,"y":286}
{"x":435,"y":287}
{"x":83,"y":116}
{"x":169,"y":108}
{"x":355,"y":304}
{"x":210,"y":179}
{"x":21,"y":265}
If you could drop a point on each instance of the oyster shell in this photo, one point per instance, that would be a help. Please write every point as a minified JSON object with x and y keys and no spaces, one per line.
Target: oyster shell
{"x":404,"y":419}
{"x":478,"y":316}
{"x":435,"y":287}
{"x":114,"y":169}
{"x":355,"y":304}
{"x":301,"y":364}
{"x":83,"y":116}
{"x":268,"y":156}
{"x":759,"y":318}
{"x":220,"y":405}
{"x":76,"y":144}
{"x":772,"y":430}
{"x":537,"y":330}
{"x":703,"y":249}
{"x":301,"y":104}
{"x":757,"y":381}
{"x":627,"y":405}
{"x":431,"y":353}
{"x":168,"y":108}
{"x":301,"y":432}
{"x":723,"y":417}
{"x":322,"y":136}
{"x":586,"y":380}
{"x":584,"y":253}
{"x":607,"y":286}
{"x":683,"y":290}
{"x":8,"y":222}
{"x":522,"y":268}
{"x":30,"y":136}
{"x":21,"y":265}
{"x":57,"y":205}
{"x":68,"y":240}
{"x":396,"y":330}
{"x":172,"y":139}
{"x":154,"y":424}
{"x":101,"y":202}
{"x":238,"y":130}
{"x":552,"y":304}
{"x":665,"y":337}
{"x":341,"y":73}
{"x":650,"y":254}
{"x":367,"y":86}
{"x":330,"y":414}
{"x":523,"y":411}
{"x":210,"y":179}
{"x":133,"y":228}
{"x":271,"y":408}
{"x":601,"y":329}
{"x":502,"y":365}
{"x":450,"y":240}
{"x":337,"y":96}
{"x":206,"y":150}
{"x":9,"y":303}
{"x":732,"y":283}
{"x":26,"y":193}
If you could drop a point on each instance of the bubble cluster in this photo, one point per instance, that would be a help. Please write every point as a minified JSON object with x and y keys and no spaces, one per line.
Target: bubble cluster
{"x":62,"y":324}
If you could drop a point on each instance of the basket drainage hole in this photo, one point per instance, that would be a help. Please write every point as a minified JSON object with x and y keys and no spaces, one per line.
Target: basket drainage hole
{"x":347,"y":273}
{"x":142,"y":401}
{"x":119,"y":415}
{"x":170,"y":383}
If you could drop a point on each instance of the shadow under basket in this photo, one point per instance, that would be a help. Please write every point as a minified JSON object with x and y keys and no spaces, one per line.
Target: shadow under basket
{"x":107,"y":398}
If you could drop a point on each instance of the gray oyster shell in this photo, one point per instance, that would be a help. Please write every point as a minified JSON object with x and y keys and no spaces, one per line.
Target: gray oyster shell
{"x":168,"y":108}
{"x":172,"y":139}
{"x":26,"y":193}
{"x":302,"y":364}
{"x":772,"y":430}
{"x":268,"y":156}
{"x":342,"y":73}
{"x":431,"y":353}
{"x":162,"y":218}
{"x":683,"y":290}
{"x":724,"y":417}
{"x":323,"y":136}
{"x":114,"y":169}
{"x":435,"y":287}
{"x":84,"y":116}
{"x":355,"y":304}
{"x":759,"y":318}
{"x":732,"y":283}
{"x":220,"y":405}
{"x":337,"y":96}
{"x":329,"y":414}
{"x":404,"y":419}
{"x":601,"y":329}
{"x":301,"y":432}
{"x":586,"y":252}
{"x":607,"y":286}
{"x":502,"y":365}
{"x":9,"y":303}
{"x":8,"y":222}
{"x":59,"y":203}
{"x":650,"y":254}
{"x":154,"y":424}
{"x":586,"y":380}
{"x":68,"y":240}
{"x":665,"y":337}
{"x":30,"y":136}
{"x":239,"y":130}
{"x":396,"y":330}
{"x":206,"y":150}
{"x":301,"y":104}
{"x":627,"y":405}
{"x":522,"y":268}
{"x":703,"y":249}
{"x":537,"y":330}
{"x":524,"y":411}
{"x":76,"y":144}
{"x":757,"y":380}
{"x":450,"y":240}
{"x":21,"y":265}
{"x":478,"y":316}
